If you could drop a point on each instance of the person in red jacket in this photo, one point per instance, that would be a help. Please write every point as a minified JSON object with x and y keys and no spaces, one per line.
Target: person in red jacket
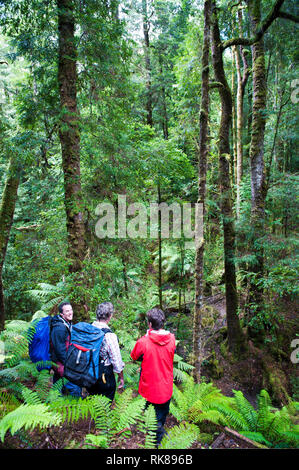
{"x":156,"y":351}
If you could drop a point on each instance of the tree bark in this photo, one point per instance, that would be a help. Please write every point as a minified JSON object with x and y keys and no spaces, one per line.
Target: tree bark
{"x":9,"y":198}
{"x":70,"y":148}
{"x":258,"y":177}
{"x":236,"y":341}
{"x":202,"y":170}
{"x":69,"y":135}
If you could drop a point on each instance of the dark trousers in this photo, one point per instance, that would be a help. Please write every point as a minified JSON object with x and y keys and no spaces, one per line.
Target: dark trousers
{"x":162,"y":411}
{"x":106,"y":388}
{"x":68,"y":387}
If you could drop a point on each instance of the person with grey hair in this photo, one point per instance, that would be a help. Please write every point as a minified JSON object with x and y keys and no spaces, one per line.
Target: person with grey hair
{"x":111,"y":361}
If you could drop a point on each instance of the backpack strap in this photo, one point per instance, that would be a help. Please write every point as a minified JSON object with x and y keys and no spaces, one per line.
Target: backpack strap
{"x":106,"y":330}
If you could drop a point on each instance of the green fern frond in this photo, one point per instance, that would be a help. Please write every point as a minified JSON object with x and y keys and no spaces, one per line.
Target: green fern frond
{"x":31,"y":397}
{"x":103,"y":415}
{"x":264,"y":416}
{"x":72,"y":409}
{"x":127,"y":411}
{"x":93,"y":441}
{"x":28,"y":417}
{"x":8,"y":403}
{"x":148,"y":425}
{"x":257,"y":437}
{"x":213,"y":416}
{"x":246,"y":410}
{"x":180,"y":437}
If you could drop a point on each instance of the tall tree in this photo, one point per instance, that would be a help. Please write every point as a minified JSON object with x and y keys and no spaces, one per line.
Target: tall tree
{"x":257,"y":164}
{"x":7,"y":208}
{"x":202,"y":170}
{"x":236,"y":340}
{"x":69,"y":134}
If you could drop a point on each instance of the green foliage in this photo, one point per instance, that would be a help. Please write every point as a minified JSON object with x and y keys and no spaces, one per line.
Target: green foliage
{"x":266,"y":425}
{"x":148,"y":425}
{"x":28,"y":417}
{"x":180,"y":437}
{"x":190,"y":399}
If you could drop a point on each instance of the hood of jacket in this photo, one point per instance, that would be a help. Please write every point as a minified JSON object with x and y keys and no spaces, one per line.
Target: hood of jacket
{"x":160,"y":337}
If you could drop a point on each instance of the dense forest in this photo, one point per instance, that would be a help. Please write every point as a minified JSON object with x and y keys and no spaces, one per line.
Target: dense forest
{"x":148,"y":158}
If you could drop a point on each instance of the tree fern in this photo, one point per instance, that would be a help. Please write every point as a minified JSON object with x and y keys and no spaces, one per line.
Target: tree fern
{"x":28,"y":417}
{"x":49,"y":295}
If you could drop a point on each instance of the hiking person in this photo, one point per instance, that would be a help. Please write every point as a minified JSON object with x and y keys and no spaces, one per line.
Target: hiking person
{"x":61,"y":326}
{"x":156,"y":351}
{"x":111,"y":361}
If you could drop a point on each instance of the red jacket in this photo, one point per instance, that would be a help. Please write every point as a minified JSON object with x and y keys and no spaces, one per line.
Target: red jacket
{"x":156,"y":379}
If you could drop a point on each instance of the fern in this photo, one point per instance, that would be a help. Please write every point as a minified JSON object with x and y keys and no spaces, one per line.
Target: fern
{"x":72,"y":409}
{"x":249,"y":414}
{"x":30,"y":397}
{"x":28,"y":417}
{"x":257,"y":437}
{"x":49,"y":295}
{"x":104,"y":421}
{"x":93,"y":441}
{"x":148,"y":425}
{"x":127,"y":411}
{"x":8,"y":402}
{"x":180,"y":437}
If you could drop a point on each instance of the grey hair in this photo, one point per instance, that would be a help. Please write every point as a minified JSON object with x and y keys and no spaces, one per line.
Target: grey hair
{"x":104,"y":310}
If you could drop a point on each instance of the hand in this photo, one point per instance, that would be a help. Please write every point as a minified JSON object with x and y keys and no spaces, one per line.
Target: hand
{"x":121,"y":381}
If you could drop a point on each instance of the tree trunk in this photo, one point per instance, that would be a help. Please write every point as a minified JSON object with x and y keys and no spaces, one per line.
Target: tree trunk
{"x":160,"y":249}
{"x":69,"y":134}
{"x":9,"y":198}
{"x":258,"y":176}
{"x":70,"y":146}
{"x":163,"y":97}
{"x":241,"y":85}
{"x":202,"y":170}
{"x":149,"y":105}
{"x":236,"y":341}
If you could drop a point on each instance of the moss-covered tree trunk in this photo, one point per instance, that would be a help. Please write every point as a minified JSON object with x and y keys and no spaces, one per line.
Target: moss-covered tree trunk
{"x":258,"y":175}
{"x":70,"y":146}
{"x":7,"y":208}
{"x":202,"y":170}
{"x":236,"y":341}
{"x":70,"y":135}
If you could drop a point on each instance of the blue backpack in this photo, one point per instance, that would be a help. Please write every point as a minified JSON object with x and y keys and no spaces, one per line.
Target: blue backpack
{"x":39,"y":342}
{"x":83,"y":356}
